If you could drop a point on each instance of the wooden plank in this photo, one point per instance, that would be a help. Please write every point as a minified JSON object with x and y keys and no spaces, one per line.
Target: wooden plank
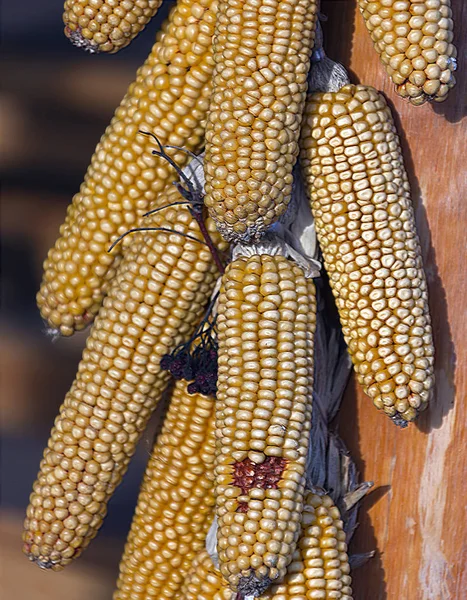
{"x":417,"y":519}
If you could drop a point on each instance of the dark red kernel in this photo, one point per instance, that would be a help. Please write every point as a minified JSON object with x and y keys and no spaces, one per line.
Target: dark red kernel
{"x":242,"y":507}
{"x":248,"y":475}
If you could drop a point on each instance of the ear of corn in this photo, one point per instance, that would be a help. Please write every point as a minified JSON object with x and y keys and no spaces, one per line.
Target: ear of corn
{"x":322,"y":551}
{"x":262,"y":55}
{"x":319,"y":569}
{"x":176,"y":502}
{"x":169,"y":99}
{"x":266,"y":315}
{"x":155,"y":302}
{"x":414,"y":41}
{"x":360,"y":198}
{"x":106,"y":25}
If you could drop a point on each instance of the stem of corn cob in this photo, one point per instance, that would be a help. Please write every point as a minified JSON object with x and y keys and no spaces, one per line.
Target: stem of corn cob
{"x":156,"y":300}
{"x":325,"y":74}
{"x":414,"y":41}
{"x":169,"y":99}
{"x":195,"y":195}
{"x":360,"y":198}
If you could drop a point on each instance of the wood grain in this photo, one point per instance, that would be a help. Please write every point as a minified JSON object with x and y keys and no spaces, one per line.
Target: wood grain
{"x":416,"y":520}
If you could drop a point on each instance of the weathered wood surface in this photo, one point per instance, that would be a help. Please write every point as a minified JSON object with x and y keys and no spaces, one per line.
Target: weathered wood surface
{"x":416,"y":520}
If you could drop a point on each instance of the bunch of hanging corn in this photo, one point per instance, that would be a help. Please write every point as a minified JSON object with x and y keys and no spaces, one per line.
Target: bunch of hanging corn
{"x":249,"y":463}
{"x":169,"y":99}
{"x":414,"y":41}
{"x":154,"y":565}
{"x":319,"y":566}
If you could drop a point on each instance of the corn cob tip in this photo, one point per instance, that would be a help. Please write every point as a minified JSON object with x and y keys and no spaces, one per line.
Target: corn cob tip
{"x":43,"y":563}
{"x":399,"y":421}
{"x":52,"y":332}
{"x":250,"y":234}
{"x":251,"y":586}
{"x":78,"y":323}
{"x":78,"y":40}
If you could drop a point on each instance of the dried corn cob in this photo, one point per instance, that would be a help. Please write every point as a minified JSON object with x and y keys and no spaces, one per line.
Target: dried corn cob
{"x":414,"y":41}
{"x":263,"y":416}
{"x":170,"y":99}
{"x":319,"y":569}
{"x":323,"y":551}
{"x":106,"y":25}
{"x":176,"y":501}
{"x":262,"y":55}
{"x":360,"y":198}
{"x":155,"y":302}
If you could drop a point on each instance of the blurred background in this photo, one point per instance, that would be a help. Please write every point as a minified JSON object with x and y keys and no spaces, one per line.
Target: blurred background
{"x":55,"y":103}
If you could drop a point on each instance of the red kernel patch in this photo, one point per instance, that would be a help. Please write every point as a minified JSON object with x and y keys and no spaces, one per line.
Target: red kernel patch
{"x":248,"y":475}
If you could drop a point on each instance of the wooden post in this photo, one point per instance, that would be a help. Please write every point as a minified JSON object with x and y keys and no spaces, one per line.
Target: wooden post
{"x":416,"y":519}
